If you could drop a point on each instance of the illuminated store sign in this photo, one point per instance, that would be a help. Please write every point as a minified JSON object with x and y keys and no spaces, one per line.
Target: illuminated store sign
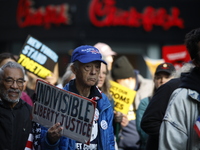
{"x":27,"y":15}
{"x":104,"y":13}
{"x":101,"y":13}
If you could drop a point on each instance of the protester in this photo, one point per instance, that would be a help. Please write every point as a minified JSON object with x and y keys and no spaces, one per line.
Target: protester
{"x":68,"y":76}
{"x":107,"y":53}
{"x":52,"y":79}
{"x":124,"y":74}
{"x":6,"y":57}
{"x":104,"y":86}
{"x":164,"y":72}
{"x":15,"y":120}
{"x":153,"y":114}
{"x":86,"y":67}
{"x":180,"y":126}
{"x":104,"y":82}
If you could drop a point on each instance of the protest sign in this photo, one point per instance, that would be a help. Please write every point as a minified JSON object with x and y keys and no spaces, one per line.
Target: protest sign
{"x":122,"y":96}
{"x":74,"y":112}
{"x":176,"y":54}
{"x":37,"y":57}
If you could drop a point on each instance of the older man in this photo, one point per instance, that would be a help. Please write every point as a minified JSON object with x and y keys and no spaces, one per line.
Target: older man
{"x":15,"y":114}
{"x":86,"y":67}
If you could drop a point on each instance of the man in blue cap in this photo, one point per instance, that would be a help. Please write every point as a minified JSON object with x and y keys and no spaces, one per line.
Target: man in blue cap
{"x":86,"y":67}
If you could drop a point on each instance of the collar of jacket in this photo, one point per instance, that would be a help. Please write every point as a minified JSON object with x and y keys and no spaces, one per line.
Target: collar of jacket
{"x":95,"y":93}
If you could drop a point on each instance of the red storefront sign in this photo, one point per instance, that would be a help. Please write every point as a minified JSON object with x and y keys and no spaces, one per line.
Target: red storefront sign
{"x":104,"y":13}
{"x":27,"y":15}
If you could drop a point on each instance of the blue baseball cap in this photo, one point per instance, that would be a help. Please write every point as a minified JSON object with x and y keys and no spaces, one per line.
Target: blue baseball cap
{"x":87,"y":54}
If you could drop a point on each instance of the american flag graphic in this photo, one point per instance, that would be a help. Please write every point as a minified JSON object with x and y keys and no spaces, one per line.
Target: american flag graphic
{"x":197,"y":126}
{"x":33,"y":142}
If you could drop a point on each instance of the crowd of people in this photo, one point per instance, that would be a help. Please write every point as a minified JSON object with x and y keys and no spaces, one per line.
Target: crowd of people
{"x":164,"y":114}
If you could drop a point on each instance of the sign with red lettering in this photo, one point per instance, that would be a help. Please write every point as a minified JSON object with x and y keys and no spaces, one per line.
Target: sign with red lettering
{"x":74,"y":112}
{"x":175,"y":54}
{"x":27,"y":15}
{"x":37,"y":57}
{"x":105,"y":13}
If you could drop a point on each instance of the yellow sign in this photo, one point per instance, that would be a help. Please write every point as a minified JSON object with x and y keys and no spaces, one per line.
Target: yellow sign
{"x":122,"y":96}
{"x":152,"y":64}
{"x":33,"y":66}
{"x":37,"y":58}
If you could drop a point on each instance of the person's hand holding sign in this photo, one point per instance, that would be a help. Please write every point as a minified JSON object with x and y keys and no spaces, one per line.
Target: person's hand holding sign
{"x":121,"y":118}
{"x":124,"y":121}
{"x":54,"y":133}
{"x":53,"y":78}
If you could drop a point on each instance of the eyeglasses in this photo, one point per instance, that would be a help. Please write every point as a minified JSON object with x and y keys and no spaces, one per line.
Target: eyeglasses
{"x":20,"y":82}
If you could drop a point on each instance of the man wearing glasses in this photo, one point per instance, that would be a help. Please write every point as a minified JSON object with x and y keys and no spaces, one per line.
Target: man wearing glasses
{"x":15,"y":114}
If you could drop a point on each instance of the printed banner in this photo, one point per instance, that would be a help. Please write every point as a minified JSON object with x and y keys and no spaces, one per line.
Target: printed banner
{"x":37,"y":58}
{"x":75,"y":113}
{"x":175,"y":54}
{"x":122,"y":96}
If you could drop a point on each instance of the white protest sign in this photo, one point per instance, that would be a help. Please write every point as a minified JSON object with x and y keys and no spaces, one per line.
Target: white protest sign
{"x":37,"y":57}
{"x":75,"y":113}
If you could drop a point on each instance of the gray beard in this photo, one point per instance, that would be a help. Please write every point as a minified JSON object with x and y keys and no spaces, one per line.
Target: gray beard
{"x":6,"y":98}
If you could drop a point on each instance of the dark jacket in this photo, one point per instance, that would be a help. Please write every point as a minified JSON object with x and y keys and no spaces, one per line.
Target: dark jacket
{"x":153,"y":115}
{"x":129,"y":137}
{"x":178,"y":130}
{"x":15,"y":125}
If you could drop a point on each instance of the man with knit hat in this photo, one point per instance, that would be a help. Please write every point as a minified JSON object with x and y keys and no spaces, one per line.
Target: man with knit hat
{"x":86,"y":67}
{"x":124,"y":74}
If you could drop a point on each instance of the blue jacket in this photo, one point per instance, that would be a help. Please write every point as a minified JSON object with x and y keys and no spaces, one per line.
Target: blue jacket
{"x":106,"y":137}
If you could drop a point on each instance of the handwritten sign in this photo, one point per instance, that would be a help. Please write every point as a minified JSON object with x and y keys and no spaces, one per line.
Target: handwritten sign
{"x":122,"y":96}
{"x":37,"y":58}
{"x":75,"y":113}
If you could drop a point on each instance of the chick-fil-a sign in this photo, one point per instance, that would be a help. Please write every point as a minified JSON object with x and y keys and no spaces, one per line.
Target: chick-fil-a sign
{"x":104,"y":13}
{"x":27,"y":15}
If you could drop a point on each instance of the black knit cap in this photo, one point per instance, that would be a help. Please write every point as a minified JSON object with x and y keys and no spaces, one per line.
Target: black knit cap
{"x":122,"y":69}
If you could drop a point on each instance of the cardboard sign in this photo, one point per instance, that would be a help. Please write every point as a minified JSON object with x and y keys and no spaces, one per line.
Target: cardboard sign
{"x":75,"y":113}
{"x":37,"y":58}
{"x":122,"y":96}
